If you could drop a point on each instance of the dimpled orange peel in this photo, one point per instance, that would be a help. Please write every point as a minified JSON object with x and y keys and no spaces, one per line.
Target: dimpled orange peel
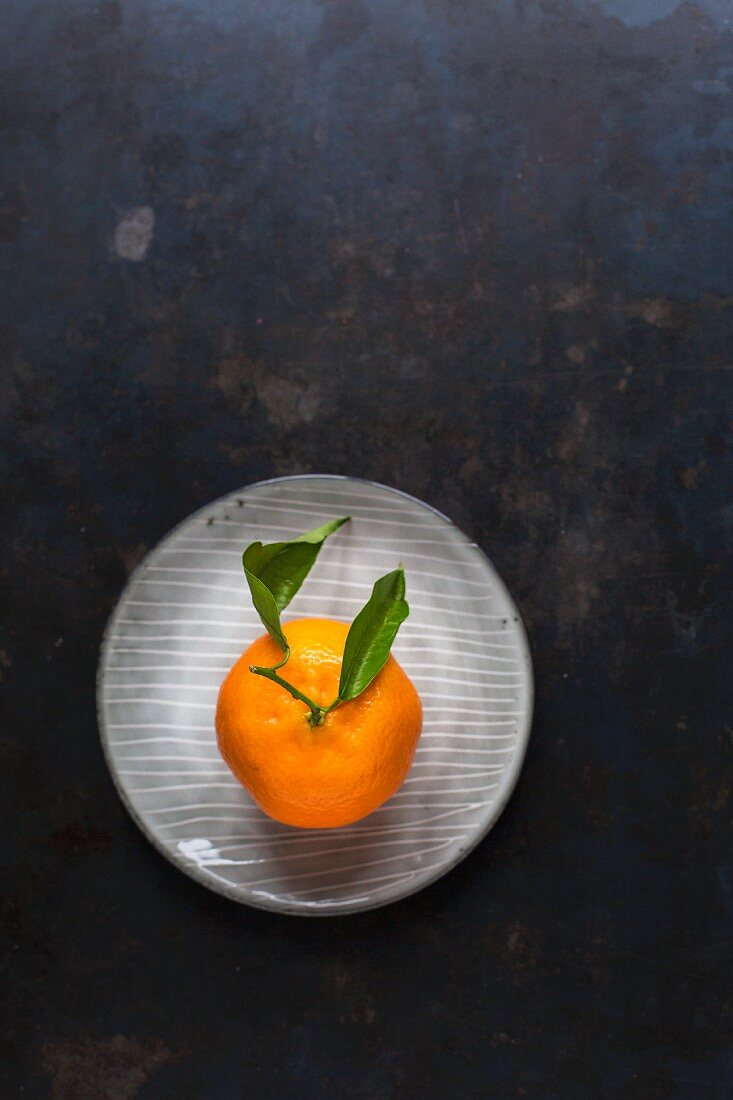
{"x":316,"y":719}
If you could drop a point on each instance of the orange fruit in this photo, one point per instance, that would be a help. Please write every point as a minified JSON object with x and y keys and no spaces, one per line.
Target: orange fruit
{"x":322,"y":776}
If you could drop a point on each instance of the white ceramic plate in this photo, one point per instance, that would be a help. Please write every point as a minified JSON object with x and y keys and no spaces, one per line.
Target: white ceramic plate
{"x":186,"y":615}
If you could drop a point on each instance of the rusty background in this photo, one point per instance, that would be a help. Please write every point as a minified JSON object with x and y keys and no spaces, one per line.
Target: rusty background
{"x":481,"y":250}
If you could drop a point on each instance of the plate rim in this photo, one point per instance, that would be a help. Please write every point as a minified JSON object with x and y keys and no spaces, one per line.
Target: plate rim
{"x":233,"y":893}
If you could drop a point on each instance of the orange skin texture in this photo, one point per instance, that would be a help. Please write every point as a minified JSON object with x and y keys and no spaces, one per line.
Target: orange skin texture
{"x":329,"y":775}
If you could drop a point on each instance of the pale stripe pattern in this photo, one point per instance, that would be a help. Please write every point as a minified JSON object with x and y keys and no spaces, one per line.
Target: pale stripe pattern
{"x":186,"y":616}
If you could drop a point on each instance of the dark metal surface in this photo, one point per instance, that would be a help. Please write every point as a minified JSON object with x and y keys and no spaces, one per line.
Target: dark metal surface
{"x":479,"y":250}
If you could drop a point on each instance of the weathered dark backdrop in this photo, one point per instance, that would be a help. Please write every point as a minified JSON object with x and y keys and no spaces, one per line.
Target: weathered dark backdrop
{"x":481,"y":250}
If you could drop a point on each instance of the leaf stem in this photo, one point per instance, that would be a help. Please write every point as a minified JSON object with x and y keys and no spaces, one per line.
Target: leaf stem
{"x":284,"y":661}
{"x":317,"y":713}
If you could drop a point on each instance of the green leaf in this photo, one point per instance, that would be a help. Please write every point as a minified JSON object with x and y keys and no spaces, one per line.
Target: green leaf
{"x":267,"y":609}
{"x":275,"y":571}
{"x":371,"y":635}
{"x":320,"y":534}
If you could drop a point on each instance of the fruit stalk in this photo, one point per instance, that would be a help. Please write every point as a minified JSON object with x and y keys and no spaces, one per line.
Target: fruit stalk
{"x":317,"y":713}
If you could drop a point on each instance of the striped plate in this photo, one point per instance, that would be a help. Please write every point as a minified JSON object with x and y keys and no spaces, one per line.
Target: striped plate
{"x":186,"y":615}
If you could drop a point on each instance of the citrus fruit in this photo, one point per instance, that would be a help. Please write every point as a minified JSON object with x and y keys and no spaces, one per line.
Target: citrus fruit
{"x":322,"y":776}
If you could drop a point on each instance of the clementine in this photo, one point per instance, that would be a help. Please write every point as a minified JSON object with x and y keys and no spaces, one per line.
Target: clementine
{"x":321,"y":776}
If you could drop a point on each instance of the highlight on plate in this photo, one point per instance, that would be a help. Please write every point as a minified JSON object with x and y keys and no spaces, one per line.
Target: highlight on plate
{"x":316,"y":719}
